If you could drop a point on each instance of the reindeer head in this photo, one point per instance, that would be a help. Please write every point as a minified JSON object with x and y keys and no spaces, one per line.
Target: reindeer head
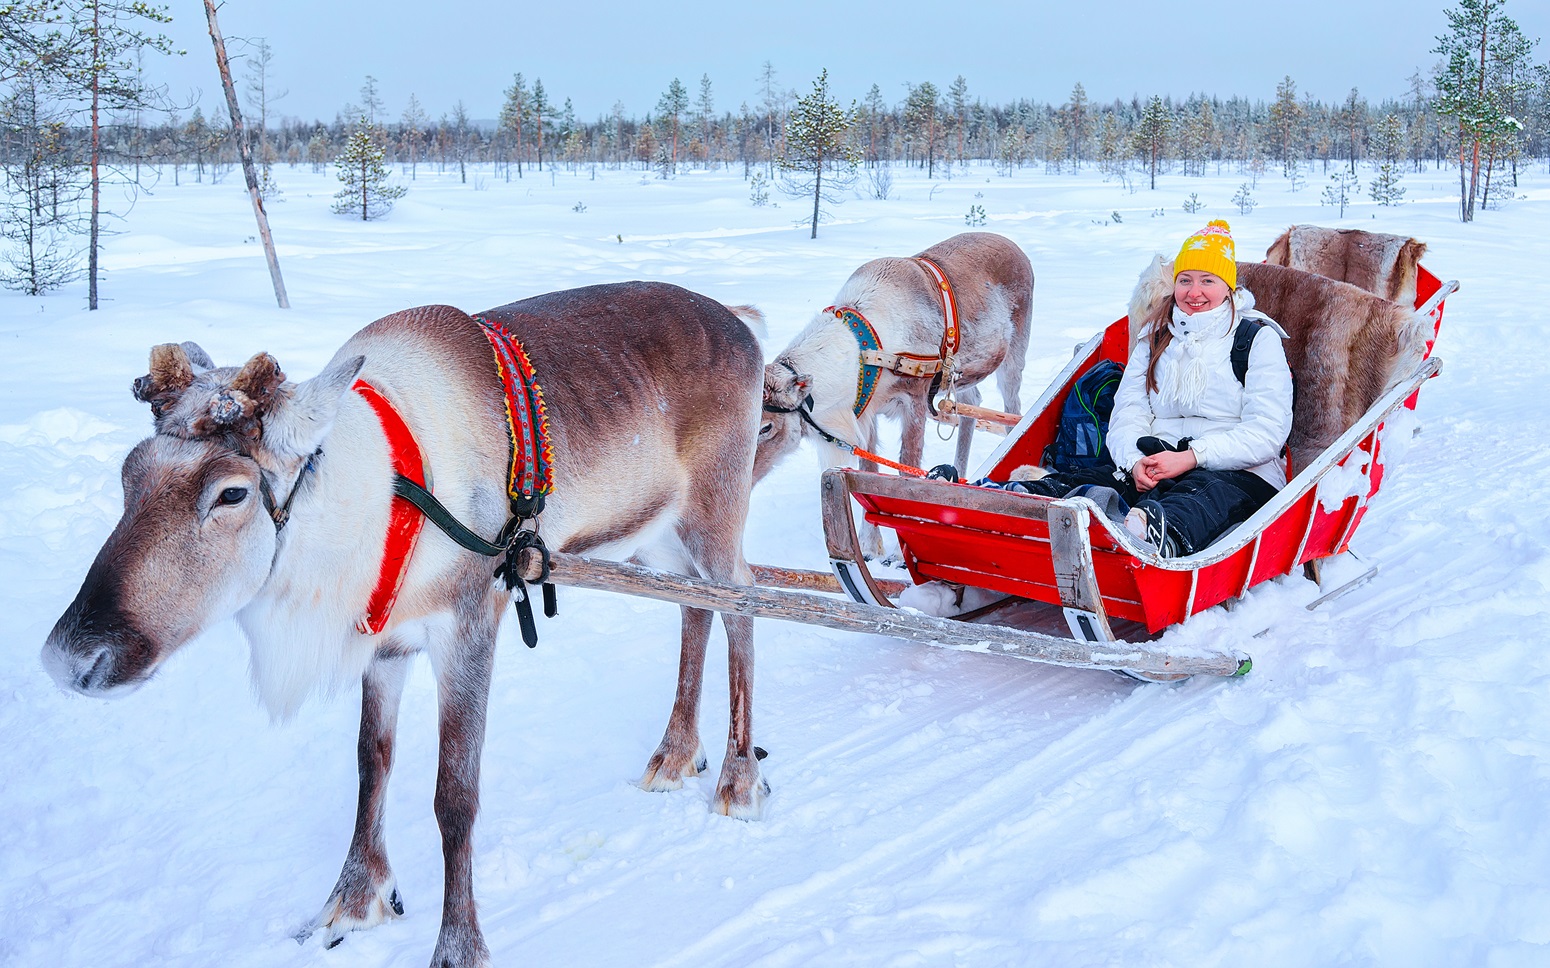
{"x":780,"y":427}
{"x":197,"y":538}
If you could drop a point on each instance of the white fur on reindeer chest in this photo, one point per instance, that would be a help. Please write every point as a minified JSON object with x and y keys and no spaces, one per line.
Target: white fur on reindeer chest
{"x":302,"y":624}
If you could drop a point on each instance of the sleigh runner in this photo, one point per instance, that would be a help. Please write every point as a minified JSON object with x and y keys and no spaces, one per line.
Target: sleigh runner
{"x":1078,"y":590}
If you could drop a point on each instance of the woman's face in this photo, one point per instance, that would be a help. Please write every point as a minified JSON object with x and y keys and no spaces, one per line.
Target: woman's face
{"x":1197,"y":292}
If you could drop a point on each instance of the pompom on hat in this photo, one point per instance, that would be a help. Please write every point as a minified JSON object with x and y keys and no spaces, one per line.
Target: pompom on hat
{"x":1209,"y":250}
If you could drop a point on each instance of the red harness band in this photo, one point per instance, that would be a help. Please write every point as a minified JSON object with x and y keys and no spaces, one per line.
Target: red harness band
{"x":949,"y":306}
{"x":406,"y":520}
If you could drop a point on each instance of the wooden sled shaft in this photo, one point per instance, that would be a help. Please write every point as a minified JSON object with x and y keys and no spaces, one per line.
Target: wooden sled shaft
{"x":848,"y":616}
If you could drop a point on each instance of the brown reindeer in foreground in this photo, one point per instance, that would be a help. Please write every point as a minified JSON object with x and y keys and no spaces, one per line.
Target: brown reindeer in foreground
{"x":648,"y":461}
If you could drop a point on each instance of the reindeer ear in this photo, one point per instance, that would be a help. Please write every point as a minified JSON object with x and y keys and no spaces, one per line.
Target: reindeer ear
{"x":302,"y":419}
{"x":197,"y":357}
{"x":171,"y":374}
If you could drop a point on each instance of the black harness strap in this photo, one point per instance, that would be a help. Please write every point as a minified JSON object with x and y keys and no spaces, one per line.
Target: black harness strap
{"x":511,"y":541}
{"x":281,"y":514}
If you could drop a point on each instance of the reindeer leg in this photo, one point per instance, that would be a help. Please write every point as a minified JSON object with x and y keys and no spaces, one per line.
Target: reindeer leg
{"x":714,"y":543}
{"x":463,"y":680}
{"x":680,"y":753}
{"x":367,"y":893}
{"x":1009,"y":375}
{"x":741,"y":791}
{"x":970,"y":396}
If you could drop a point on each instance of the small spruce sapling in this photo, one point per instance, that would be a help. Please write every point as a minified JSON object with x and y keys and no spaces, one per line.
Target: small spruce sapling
{"x":364,"y":175}
{"x":976,"y":216}
{"x":1295,"y":176}
{"x":1338,"y":192}
{"x":759,"y":190}
{"x":1193,"y":204}
{"x":1244,"y":199}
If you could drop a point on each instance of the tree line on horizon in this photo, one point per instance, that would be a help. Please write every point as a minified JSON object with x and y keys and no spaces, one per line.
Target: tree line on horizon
{"x":1484,"y":109}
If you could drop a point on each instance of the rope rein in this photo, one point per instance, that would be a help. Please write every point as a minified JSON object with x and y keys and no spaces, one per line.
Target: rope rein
{"x":804,"y":410}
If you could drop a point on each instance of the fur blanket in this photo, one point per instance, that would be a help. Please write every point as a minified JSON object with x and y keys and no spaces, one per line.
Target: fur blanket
{"x":1384,"y":265}
{"x":1346,"y":347}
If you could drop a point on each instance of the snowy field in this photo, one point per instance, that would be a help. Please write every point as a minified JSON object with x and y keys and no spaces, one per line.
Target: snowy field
{"x":1374,"y":793}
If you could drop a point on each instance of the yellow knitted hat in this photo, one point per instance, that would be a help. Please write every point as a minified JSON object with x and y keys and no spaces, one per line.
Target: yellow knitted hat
{"x":1209,"y":250}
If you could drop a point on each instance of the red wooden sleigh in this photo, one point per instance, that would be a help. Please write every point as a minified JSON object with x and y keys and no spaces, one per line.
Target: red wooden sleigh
{"x":1066,"y":554}
{"x":1077,"y":590}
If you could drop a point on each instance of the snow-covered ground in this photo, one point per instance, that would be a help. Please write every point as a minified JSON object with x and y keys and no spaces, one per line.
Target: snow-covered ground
{"x":1373,"y":794}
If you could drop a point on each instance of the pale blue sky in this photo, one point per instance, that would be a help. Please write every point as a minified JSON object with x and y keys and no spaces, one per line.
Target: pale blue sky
{"x":602,"y":51}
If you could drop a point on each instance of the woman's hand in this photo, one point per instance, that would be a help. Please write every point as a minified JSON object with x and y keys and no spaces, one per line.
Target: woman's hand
{"x":1163,"y":466}
{"x":1141,"y":474}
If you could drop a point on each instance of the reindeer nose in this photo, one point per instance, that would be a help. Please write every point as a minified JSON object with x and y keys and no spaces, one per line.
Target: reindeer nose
{"x":79,"y":670}
{"x":88,"y":667}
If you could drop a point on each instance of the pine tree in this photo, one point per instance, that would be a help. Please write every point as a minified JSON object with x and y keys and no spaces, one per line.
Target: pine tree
{"x":413,"y":124}
{"x":1152,"y":133}
{"x":541,"y":111}
{"x":365,"y":177}
{"x":705,"y":109}
{"x":1352,"y":117}
{"x":1111,"y":151}
{"x":1475,"y":91}
{"x":514,"y":112}
{"x":875,"y":111}
{"x":1388,"y":144}
{"x":958,"y":101}
{"x":922,"y":113}
{"x":1286,"y":124}
{"x":673,"y":103}
{"x":1076,"y":112}
{"x":818,"y":142}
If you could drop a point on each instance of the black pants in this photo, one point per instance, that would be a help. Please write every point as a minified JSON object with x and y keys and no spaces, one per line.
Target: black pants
{"x":1200,"y":506}
{"x":1197,"y":507}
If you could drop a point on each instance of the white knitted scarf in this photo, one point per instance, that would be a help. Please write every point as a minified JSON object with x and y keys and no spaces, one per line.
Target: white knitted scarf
{"x":1192,"y":369}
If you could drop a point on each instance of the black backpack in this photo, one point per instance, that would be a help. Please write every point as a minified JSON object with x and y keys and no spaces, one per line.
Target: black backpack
{"x":1242,"y":342}
{"x":1081,"y":438}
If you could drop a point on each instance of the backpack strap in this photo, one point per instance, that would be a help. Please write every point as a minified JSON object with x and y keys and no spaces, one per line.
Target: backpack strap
{"x":1242,"y":342}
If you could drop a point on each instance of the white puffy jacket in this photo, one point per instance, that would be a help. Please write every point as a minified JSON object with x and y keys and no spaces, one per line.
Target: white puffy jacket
{"x":1234,"y":426}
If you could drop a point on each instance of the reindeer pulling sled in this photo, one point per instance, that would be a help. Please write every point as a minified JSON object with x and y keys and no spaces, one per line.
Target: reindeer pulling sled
{"x":638,"y":463}
{"x":1076,"y":589}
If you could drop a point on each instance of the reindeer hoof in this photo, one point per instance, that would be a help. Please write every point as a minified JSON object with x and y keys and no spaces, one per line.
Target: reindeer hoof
{"x":666,"y":770}
{"x":742,"y":791}
{"x":354,"y":908}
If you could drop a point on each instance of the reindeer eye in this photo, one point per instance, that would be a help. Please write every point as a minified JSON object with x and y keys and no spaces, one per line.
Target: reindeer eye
{"x":766,"y":428}
{"x":232,"y":495}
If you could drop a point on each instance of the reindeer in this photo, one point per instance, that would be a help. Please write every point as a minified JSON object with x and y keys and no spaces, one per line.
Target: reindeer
{"x":811,"y":388}
{"x":646,"y":462}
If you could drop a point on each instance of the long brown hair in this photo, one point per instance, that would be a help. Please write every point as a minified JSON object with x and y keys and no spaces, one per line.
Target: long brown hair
{"x":1160,"y":335}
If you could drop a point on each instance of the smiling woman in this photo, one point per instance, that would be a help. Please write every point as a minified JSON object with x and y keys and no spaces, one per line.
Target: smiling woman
{"x":1196,"y":443}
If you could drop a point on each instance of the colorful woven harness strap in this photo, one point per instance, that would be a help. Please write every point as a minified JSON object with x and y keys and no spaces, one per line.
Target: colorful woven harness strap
{"x":531,"y":476}
{"x":866,"y":337}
